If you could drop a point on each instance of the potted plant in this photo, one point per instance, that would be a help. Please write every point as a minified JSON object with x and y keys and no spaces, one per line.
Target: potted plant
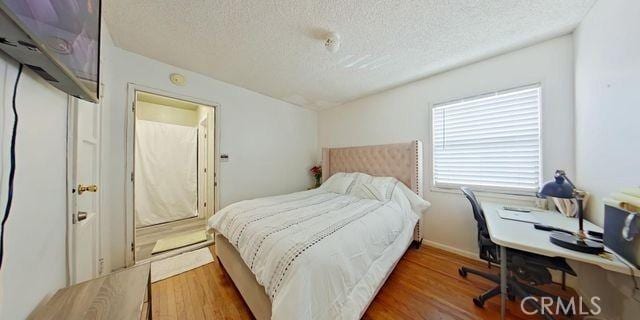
{"x":316,"y":172}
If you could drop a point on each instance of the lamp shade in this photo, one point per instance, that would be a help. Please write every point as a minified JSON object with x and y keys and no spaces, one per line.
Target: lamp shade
{"x":558,"y":188}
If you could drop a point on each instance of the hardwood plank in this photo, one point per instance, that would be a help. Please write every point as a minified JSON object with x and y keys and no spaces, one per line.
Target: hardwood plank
{"x":424,"y":285}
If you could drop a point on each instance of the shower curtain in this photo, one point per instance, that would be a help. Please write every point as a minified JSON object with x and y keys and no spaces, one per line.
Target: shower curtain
{"x":165,"y":172}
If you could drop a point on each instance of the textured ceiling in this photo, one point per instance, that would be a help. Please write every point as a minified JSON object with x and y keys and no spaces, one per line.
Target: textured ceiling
{"x":275,"y":47}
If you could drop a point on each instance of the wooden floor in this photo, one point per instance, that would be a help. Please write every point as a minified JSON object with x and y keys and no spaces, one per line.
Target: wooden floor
{"x":146,"y":237}
{"x":424,"y":285}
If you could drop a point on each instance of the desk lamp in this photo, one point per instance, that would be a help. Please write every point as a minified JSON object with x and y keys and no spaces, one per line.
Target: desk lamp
{"x":562,"y":187}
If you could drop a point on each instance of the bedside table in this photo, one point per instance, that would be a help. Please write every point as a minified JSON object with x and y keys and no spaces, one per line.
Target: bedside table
{"x":121,"y":295}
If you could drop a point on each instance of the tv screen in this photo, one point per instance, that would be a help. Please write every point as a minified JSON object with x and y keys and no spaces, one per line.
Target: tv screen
{"x":68,"y":31}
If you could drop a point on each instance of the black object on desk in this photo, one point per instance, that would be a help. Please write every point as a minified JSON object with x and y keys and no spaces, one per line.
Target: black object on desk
{"x":595,"y":234}
{"x":614,"y":222}
{"x":545,"y":227}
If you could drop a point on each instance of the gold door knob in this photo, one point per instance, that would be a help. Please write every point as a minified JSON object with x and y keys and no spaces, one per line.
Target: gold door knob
{"x":89,"y":188}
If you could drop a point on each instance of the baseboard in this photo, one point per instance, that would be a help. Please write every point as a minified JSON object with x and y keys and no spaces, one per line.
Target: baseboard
{"x":460,"y":252}
{"x":175,"y":252}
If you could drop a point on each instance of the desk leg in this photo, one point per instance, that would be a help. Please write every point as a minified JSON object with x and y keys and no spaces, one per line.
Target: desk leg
{"x":503,"y":281}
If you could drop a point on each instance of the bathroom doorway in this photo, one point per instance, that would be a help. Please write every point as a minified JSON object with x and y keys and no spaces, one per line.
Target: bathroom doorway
{"x":173,"y":174}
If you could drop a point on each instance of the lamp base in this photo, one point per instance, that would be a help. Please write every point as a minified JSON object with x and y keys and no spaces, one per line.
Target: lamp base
{"x":575,"y":243}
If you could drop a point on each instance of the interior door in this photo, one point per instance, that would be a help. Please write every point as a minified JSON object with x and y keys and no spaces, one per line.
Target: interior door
{"x":86,"y":262}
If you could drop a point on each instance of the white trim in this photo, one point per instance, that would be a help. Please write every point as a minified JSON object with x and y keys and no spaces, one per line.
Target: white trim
{"x":132,"y":88}
{"x":175,"y":252}
{"x":448,"y":248}
{"x":498,"y":192}
{"x":490,"y":194}
{"x":487,"y":94}
{"x":70,"y":183}
{"x":129,"y":222}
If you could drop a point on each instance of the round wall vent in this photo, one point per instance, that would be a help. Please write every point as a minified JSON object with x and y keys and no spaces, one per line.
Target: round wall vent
{"x":177,"y":79}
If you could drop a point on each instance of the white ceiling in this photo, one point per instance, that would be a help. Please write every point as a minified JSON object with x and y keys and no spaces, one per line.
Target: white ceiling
{"x":275,"y":47}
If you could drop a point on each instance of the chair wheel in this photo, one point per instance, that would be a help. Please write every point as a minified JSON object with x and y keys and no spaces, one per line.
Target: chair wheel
{"x":462,"y":273}
{"x":478,"y":303}
{"x":511,"y":297}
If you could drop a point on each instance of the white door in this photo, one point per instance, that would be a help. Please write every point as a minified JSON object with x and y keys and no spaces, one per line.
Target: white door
{"x":85,"y":259}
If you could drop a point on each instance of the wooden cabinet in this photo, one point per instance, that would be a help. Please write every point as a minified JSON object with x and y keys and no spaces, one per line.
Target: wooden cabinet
{"x":120,"y":295}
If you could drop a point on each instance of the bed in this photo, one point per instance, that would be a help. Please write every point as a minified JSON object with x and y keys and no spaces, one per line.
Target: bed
{"x":325,"y":253}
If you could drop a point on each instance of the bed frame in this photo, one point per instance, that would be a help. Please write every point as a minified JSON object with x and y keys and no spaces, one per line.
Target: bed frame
{"x":402,"y":161}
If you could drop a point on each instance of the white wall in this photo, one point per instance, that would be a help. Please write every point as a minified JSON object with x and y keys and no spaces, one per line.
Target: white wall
{"x":35,"y":239}
{"x":608,"y":100}
{"x":271,"y":143}
{"x":403,"y":114}
{"x":607,"y":78}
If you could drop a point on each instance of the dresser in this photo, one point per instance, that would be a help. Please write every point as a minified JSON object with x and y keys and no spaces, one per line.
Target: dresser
{"x":121,"y":295}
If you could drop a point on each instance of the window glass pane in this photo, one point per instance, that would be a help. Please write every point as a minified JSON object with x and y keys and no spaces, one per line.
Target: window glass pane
{"x":490,"y":141}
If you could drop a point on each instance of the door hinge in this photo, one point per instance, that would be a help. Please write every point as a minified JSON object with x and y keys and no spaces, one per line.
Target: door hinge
{"x":205,"y":170}
{"x":131,"y":176}
{"x":132,"y":247}
{"x":133,"y":106}
{"x":205,"y":204}
{"x":100,"y":266}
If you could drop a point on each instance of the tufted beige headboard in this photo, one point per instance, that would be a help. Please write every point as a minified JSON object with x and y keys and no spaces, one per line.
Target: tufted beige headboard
{"x":402,"y":161}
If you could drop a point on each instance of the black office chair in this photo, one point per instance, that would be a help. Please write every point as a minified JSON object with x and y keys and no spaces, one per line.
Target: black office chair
{"x":526,"y":269}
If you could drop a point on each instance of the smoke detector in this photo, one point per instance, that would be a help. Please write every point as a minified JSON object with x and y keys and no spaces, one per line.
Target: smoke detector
{"x":332,"y":43}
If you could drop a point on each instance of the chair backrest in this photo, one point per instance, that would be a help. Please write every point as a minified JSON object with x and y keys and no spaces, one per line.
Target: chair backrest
{"x":488,"y":249}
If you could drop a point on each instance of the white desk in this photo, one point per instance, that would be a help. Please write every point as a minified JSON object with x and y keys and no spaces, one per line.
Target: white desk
{"x":523,"y":236}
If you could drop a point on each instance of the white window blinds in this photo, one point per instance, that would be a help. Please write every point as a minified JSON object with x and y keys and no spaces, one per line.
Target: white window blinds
{"x":490,"y":141}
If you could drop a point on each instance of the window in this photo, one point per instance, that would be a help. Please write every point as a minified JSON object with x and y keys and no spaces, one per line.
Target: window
{"x":491,"y":142}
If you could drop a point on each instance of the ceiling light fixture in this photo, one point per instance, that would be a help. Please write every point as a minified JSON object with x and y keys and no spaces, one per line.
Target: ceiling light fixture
{"x":332,"y":43}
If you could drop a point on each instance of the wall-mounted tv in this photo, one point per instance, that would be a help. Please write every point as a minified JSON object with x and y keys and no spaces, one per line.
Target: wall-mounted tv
{"x":58,"y":39}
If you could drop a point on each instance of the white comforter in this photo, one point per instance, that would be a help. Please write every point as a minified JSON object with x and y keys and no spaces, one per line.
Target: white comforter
{"x":318,"y":254}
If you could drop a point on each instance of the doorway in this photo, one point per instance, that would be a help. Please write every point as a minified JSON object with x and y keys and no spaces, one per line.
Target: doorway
{"x":173,"y":171}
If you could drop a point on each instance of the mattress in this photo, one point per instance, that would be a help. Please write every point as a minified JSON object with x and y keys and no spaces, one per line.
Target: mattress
{"x":313,"y":254}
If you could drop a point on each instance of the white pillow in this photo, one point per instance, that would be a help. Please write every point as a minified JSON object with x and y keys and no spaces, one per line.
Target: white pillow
{"x":377,"y":188}
{"x":339,"y":183}
{"x":408,"y":200}
{"x":367,"y":191}
{"x":385,"y":186}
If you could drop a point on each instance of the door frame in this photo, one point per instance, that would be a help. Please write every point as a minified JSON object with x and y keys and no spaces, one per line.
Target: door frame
{"x":132,"y":89}
{"x":203,"y":213}
{"x":71,"y":183}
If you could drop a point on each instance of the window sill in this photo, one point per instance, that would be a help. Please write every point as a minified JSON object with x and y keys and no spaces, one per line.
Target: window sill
{"x":519,"y":196}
